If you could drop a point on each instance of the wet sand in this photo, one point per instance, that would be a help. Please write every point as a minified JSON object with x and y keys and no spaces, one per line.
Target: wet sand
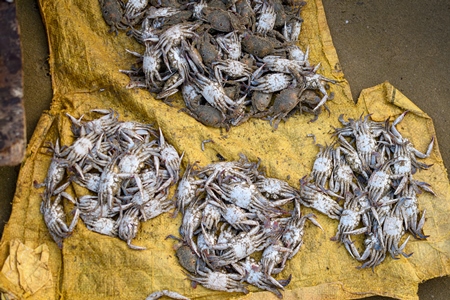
{"x":403,"y":42}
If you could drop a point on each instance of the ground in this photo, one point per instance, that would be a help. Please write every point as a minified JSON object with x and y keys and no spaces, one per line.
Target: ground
{"x":403,"y":42}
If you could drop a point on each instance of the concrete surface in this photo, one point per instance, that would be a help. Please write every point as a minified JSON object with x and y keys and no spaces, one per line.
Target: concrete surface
{"x":404,"y":42}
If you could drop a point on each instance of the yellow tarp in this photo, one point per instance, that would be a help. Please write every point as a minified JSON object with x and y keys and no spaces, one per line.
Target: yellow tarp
{"x":84,"y":62}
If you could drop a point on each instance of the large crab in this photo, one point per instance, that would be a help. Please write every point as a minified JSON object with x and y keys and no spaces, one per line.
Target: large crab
{"x":342,"y":177}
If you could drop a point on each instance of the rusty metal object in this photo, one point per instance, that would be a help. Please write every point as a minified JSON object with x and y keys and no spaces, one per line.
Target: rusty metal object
{"x":12,"y":112}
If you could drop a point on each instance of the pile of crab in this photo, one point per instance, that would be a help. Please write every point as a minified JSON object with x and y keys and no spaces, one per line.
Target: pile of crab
{"x":232,"y":215}
{"x":366,"y":182}
{"x":232,"y":60}
{"x":125,"y":169}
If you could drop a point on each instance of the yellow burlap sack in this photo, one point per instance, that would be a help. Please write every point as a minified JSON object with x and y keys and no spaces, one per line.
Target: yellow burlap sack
{"x":85,"y":62}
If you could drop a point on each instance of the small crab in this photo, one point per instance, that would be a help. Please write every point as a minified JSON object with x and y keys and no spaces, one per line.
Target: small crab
{"x":274,"y":258}
{"x":393,"y":231}
{"x":112,"y":12}
{"x":342,"y":177}
{"x":106,"y":226}
{"x":219,"y":281}
{"x":230,"y":44}
{"x":283,"y":104}
{"x":266,"y":18}
{"x":215,"y":95}
{"x":410,"y":213}
{"x":254,"y":274}
{"x":275,"y":188}
{"x":128,"y":227}
{"x":292,"y":237}
{"x":349,"y":220}
{"x":134,"y":9}
{"x":374,"y":253}
{"x":273,"y":82}
{"x":232,"y":68}
{"x":323,"y":165}
{"x":312,"y":196}
{"x":236,"y":217}
{"x":239,"y":247}
{"x":54,"y":217}
{"x":172,"y":37}
{"x":186,"y":189}
{"x":170,"y":157}
{"x":192,"y":219}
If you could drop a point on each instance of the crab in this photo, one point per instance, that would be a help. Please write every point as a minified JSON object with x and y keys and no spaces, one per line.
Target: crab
{"x":409,"y":211}
{"x":56,"y":172}
{"x":151,"y":63}
{"x":266,"y":19}
{"x":173,"y":36}
{"x":314,"y":81}
{"x":239,"y":247}
{"x":342,"y":177}
{"x":211,"y":215}
{"x":78,"y":151}
{"x":104,"y":124}
{"x":128,"y":227}
{"x":233,"y":68}
{"x":167,"y":293}
{"x":406,"y":155}
{"x":365,"y":133}
{"x":349,"y":220}
{"x":274,"y":258}
{"x":219,"y":281}
{"x":248,"y":197}
{"x":292,"y":29}
{"x":54,"y":217}
{"x":186,"y":189}
{"x":380,"y":181}
{"x":230,"y":43}
{"x":352,"y":158}
{"x":110,"y":183}
{"x":260,"y":101}
{"x":105,"y":226}
{"x":393,"y":231}
{"x":312,"y":196}
{"x":323,"y":165}
{"x":244,"y":8}
{"x":90,"y":181}
{"x":235,"y":216}
{"x":171,"y":159}
{"x":156,"y":206}
{"x":112,"y":12}
{"x":374,"y":253}
{"x":129,"y":132}
{"x":221,"y":20}
{"x":134,"y":9}
{"x":283,"y":65}
{"x":283,"y":104}
{"x":271,"y":83}
{"x":192,"y":219}
{"x":253,"y":274}
{"x":275,"y":188}
{"x":292,"y":237}
{"x":214,"y":94}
